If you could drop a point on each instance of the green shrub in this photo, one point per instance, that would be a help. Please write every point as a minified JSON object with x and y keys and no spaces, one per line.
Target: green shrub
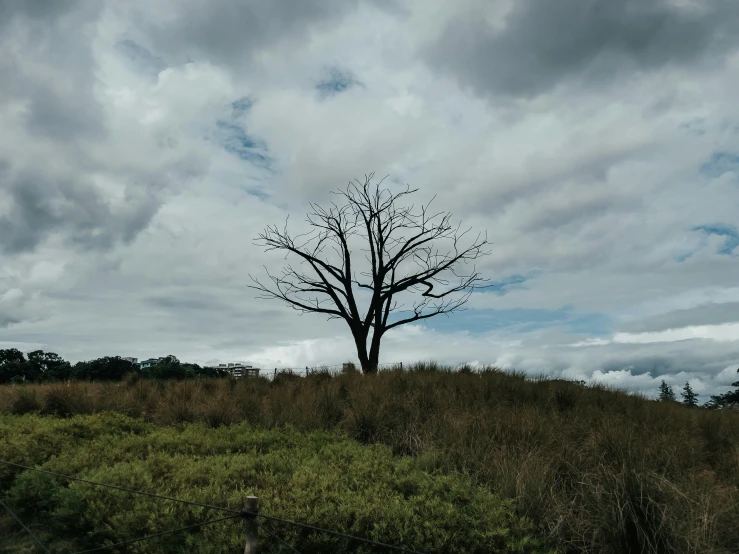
{"x":25,"y":402}
{"x":316,"y":478}
{"x":131,"y":378}
{"x":61,"y":401}
{"x":285,"y":376}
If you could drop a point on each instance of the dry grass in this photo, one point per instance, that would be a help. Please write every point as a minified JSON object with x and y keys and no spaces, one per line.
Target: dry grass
{"x":597,"y":469}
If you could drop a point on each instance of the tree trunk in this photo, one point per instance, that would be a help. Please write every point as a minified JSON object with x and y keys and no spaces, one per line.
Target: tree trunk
{"x":368,"y":360}
{"x":374,"y":354}
{"x":360,"y":340}
{"x":367,"y":365}
{"x":370,"y":366}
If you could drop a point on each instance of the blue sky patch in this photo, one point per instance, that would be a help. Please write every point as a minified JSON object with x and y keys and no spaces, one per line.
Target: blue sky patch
{"x":519,"y":320}
{"x":241,"y":106}
{"x":512,"y":282}
{"x":684,"y":256}
{"x":337,"y":82}
{"x":695,"y":126}
{"x":235,"y":140}
{"x":259,"y":193}
{"x":142,"y":57}
{"x":591,"y":324}
{"x":720,"y":163}
{"x":728,"y":231}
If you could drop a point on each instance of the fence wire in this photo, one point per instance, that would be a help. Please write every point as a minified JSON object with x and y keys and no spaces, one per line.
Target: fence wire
{"x":124,"y":489}
{"x":236,"y":513}
{"x":155,"y":535}
{"x":330,"y":532}
{"x":280,"y":540}
{"x":305,"y":370}
{"x":34,"y":537}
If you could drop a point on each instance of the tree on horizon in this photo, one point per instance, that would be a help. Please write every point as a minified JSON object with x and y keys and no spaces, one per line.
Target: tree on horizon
{"x":689,"y":397}
{"x":369,"y":245}
{"x":665,"y":392}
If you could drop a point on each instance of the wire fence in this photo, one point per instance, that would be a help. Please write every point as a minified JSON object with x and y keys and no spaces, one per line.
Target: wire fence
{"x":333,"y":369}
{"x":247,"y":514}
{"x":26,"y":529}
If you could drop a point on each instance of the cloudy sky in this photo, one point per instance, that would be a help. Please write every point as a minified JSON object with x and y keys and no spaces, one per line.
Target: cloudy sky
{"x":143,"y":145}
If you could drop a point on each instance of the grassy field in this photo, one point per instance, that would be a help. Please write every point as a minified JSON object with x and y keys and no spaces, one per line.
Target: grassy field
{"x":594,"y":469}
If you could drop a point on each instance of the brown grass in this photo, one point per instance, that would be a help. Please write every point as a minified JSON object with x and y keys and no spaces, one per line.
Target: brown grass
{"x":597,"y":469}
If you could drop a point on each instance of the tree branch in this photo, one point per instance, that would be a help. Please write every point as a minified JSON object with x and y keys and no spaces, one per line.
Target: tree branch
{"x":403,"y":255}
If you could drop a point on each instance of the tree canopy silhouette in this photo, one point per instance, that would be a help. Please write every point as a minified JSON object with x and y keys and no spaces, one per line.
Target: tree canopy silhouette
{"x":369,"y":249}
{"x":690,"y":398}
{"x":665,"y":392}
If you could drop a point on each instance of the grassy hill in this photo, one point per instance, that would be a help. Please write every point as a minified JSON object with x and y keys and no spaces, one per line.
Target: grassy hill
{"x":594,"y":469}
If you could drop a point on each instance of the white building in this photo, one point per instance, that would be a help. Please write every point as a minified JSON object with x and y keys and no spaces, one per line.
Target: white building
{"x":239,"y":369}
{"x":150,"y":362}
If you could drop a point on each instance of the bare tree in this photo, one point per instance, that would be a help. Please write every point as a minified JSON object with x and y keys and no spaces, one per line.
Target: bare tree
{"x":408,"y":254}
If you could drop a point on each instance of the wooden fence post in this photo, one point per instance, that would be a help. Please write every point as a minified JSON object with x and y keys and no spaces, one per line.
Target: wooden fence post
{"x":252,"y":526}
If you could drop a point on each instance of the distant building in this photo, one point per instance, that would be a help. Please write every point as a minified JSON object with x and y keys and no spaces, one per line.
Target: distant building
{"x":239,"y":369}
{"x":150,"y":362}
{"x":132,"y":360}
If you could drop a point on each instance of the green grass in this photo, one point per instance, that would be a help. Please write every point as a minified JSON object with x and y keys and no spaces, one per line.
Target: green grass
{"x":318,"y":478}
{"x":596,"y":470}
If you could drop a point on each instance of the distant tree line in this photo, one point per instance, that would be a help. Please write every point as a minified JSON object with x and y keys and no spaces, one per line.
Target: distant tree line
{"x":39,"y":366}
{"x":690,"y":398}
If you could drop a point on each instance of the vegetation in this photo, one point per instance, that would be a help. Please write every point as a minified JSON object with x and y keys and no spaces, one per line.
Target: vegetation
{"x":595,"y":469}
{"x":414,"y":257}
{"x":666,"y":394}
{"x":689,"y":397}
{"x":42,"y":366}
{"x":721,"y":400}
{"x":315,"y":477}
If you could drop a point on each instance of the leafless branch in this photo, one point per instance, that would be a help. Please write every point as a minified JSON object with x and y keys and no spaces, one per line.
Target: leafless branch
{"x":407,"y":251}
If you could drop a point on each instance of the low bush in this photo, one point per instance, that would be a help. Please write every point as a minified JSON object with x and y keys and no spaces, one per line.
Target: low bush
{"x":25,"y":401}
{"x":316,"y":478}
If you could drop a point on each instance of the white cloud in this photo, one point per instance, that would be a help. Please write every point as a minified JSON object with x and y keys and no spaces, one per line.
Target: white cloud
{"x":126,"y":227}
{"x":727,"y":332}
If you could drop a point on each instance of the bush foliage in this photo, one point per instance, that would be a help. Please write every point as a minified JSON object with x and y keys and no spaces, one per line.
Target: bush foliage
{"x":317,"y":478}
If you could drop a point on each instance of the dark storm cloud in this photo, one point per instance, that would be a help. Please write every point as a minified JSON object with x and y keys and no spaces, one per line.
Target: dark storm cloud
{"x":51,"y":35}
{"x":592,"y":41}
{"x":580,"y":212}
{"x":59,"y":117}
{"x":41,"y":206}
{"x":706,"y":314}
{"x":34,"y":9}
{"x":47,"y":64}
{"x":186,"y":302}
{"x":7,"y":320}
{"x":228,"y":32}
{"x":541,"y":174}
{"x":693,"y":356}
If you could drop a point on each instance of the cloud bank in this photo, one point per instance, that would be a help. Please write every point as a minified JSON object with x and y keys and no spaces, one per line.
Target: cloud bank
{"x":142,"y":148}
